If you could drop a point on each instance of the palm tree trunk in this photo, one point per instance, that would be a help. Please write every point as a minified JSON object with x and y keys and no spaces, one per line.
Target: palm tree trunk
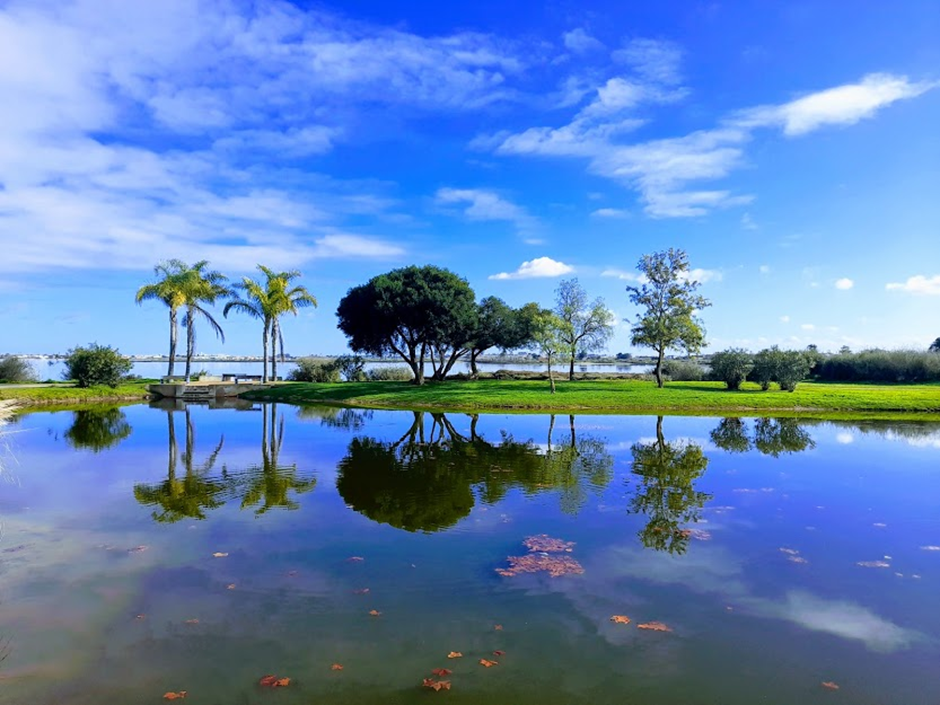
{"x":173,"y":333}
{"x":264,"y":358}
{"x":190,"y":342}
{"x":274,"y":333}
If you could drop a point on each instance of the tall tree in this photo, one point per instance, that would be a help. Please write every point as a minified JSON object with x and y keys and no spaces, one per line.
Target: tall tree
{"x":503,"y":327}
{"x":669,"y":304}
{"x":169,"y":289}
{"x":201,"y":286}
{"x":547,"y":335}
{"x":268,"y":301}
{"x":587,"y":325}
{"x":408,"y":312}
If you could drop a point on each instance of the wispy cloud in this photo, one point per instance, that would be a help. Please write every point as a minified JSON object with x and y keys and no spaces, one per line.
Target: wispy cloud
{"x":919,"y":284}
{"x":580,"y":42}
{"x":844,"y":284}
{"x":611,"y":213}
{"x":486,"y":205}
{"x":538,"y":267}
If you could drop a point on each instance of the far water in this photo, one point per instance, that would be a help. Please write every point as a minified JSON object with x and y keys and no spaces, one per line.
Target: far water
{"x":150,"y":550}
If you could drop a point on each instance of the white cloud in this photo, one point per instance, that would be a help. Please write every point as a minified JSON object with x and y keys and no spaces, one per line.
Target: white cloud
{"x":654,"y":60}
{"x":841,"y":105}
{"x":808,"y":326}
{"x":764,"y":269}
{"x":702,"y":276}
{"x":538,"y":267}
{"x":611,"y":213}
{"x":845,"y":438}
{"x":747,"y":222}
{"x":928,"y":286}
{"x":844,"y":284}
{"x":625,"y":276}
{"x":343,"y":245}
{"x":580,"y":42}
{"x":486,"y":205}
{"x":784,"y":319}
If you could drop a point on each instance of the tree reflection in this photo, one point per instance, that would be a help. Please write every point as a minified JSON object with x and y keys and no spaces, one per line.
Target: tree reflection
{"x":98,"y":429}
{"x":771,"y":436}
{"x":665,"y":491}
{"x":429,"y":478}
{"x":271,"y":483}
{"x":194,"y":493}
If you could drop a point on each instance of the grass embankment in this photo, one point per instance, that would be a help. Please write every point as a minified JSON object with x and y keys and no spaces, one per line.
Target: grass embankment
{"x":65,"y":394}
{"x":620,"y":396}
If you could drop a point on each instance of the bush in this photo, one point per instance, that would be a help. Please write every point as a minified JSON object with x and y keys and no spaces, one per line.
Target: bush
{"x":15,"y":369}
{"x":792,"y":368}
{"x":351,"y":367}
{"x":731,"y":366}
{"x":765,"y":367}
{"x":683,"y":370}
{"x":881,"y":366}
{"x":96,"y":364}
{"x":312,"y":370}
{"x":389,"y":373}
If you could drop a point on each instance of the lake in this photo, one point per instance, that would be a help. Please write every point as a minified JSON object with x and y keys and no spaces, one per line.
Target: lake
{"x":151,"y":550}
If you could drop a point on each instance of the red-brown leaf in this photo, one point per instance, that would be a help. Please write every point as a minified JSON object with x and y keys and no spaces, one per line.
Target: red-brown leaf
{"x":442,"y":672}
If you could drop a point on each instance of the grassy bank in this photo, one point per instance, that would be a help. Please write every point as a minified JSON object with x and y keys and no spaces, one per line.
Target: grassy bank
{"x":69,"y":394}
{"x":621,"y":396}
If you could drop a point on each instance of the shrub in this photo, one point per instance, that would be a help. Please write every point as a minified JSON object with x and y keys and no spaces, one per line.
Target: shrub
{"x":881,"y":366}
{"x":683,"y":370}
{"x":389,"y":373}
{"x":351,"y":367}
{"x":312,"y":370}
{"x":792,"y":368}
{"x":765,"y":367}
{"x":15,"y":369}
{"x":731,"y":366}
{"x":96,"y":364}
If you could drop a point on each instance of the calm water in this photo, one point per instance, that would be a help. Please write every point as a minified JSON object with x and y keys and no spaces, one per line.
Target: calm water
{"x":111,"y":519}
{"x":53,"y":369}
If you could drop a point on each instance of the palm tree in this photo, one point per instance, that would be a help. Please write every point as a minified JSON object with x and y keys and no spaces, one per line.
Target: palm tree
{"x":268,"y":301}
{"x":201,"y":286}
{"x":169,"y":289}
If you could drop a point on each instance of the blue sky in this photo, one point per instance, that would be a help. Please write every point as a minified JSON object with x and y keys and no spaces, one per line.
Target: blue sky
{"x":791,"y":148}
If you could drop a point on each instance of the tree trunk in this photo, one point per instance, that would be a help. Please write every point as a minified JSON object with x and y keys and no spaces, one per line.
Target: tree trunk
{"x":418,"y":368}
{"x":551,"y":379}
{"x":190,"y":343}
{"x":174,"y":450}
{"x":264,"y":356}
{"x":659,"y":368}
{"x":574,"y":440}
{"x":173,"y":333}
{"x":474,"y":418}
{"x":474,"y":372}
{"x":274,"y":334}
{"x":571,"y":367}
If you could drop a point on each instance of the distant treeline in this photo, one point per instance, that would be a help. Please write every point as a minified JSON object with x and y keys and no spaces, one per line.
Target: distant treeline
{"x":879,"y":366}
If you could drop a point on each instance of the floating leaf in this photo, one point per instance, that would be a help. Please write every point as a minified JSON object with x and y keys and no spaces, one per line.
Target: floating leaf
{"x":498,"y":627}
{"x":546,"y":544}
{"x":435,"y":685}
{"x":140,"y":617}
{"x":873,"y":564}
{"x":654,"y":627}
{"x":442,"y":671}
{"x":175,"y":696}
{"x":271,"y":681}
{"x":697,"y":534}
{"x":375,"y":613}
{"x":282,"y":683}
{"x":498,"y":652}
{"x":230,"y":586}
{"x":555,"y":566}
{"x":355,"y":559}
{"x":789,"y":551}
{"x":455,"y":654}
{"x":830,"y":685}
{"x":219,"y":554}
{"x":620,"y":619}
{"x":797,"y":559}
{"x":488,"y":664}
{"x":336,"y":667}
{"x":879,"y":524}
{"x":138,"y":549}
{"x":361,"y":591}
{"x":191,"y":621}
{"x":292,"y":574}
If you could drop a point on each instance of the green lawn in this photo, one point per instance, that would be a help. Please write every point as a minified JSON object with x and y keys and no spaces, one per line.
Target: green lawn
{"x":624,"y":396}
{"x":63,"y":393}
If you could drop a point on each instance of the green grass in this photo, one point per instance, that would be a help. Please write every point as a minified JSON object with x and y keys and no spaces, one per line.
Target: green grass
{"x":64,"y":394}
{"x":619,"y":396}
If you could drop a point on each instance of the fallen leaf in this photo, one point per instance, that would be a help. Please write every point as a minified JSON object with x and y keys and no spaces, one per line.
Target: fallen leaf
{"x":230,"y":586}
{"x":790,"y":551}
{"x":191,"y":621}
{"x":138,"y":549}
{"x":498,"y":652}
{"x":454,"y":654}
{"x":282,"y":683}
{"x":361,"y":591}
{"x":879,"y":524}
{"x":546,"y":544}
{"x":140,"y":617}
{"x":441,"y":671}
{"x":375,"y":613}
{"x":488,"y":664}
{"x":355,"y":559}
{"x":219,"y":554}
{"x":654,"y":627}
{"x":498,"y":627}
{"x":829,"y":685}
{"x":620,"y":619}
{"x":174,"y":696}
{"x":268,"y":681}
{"x":797,"y":559}
{"x":292,"y":574}
{"x":336,"y":667}
{"x":555,"y":566}
{"x":435,"y":685}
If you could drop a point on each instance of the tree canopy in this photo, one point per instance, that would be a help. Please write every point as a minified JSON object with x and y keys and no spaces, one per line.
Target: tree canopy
{"x":587,"y":325}
{"x":668,"y":303}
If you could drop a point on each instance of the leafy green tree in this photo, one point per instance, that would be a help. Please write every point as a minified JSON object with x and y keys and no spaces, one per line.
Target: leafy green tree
{"x":669,"y":303}
{"x":732,"y":366}
{"x":587,"y":325}
{"x":935,"y":346}
{"x":15,"y":369}
{"x":666,"y":474}
{"x":268,"y":301}
{"x":351,"y":367}
{"x":408,"y":312}
{"x":548,"y":334}
{"x":500,"y":326}
{"x":98,"y":429}
{"x":96,"y":364}
{"x":766,"y":364}
{"x":792,"y":368}
{"x":201,"y":286}
{"x":170,"y":290}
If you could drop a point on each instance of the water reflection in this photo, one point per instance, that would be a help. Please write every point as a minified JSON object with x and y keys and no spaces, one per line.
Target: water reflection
{"x":664,"y":476}
{"x":770,"y":436}
{"x":98,"y":428}
{"x":430,"y":477}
